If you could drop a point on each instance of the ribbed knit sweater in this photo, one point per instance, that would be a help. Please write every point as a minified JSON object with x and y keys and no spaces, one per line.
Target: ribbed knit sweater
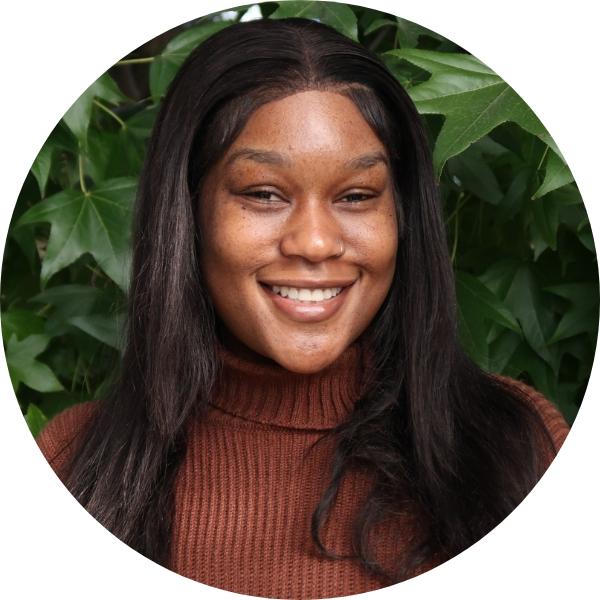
{"x":249,"y":482}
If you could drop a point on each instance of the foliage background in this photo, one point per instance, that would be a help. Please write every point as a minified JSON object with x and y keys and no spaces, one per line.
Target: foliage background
{"x":520,"y":240}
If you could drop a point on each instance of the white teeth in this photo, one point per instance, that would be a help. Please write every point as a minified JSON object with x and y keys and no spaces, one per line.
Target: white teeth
{"x":306,"y":294}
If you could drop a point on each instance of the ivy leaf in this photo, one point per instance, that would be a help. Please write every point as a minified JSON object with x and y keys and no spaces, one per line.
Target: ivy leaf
{"x":472,"y":333}
{"x":582,"y":316}
{"x":546,"y":221}
{"x":557,"y":174}
{"x":471,"y":96}
{"x":35,"y":419}
{"x":475,"y":175}
{"x":95,"y":222}
{"x":576,"y":320}
{"x":77,"y":118}
{"x":407,"y":32}
{"x":164,"y":67}
{"x":41,"y":166}
{"x":502,"y":350}
{"x":114,"y":154}
{"x":24,"y":368}
{"x":584,"y":294}
{"x":476,"y":298}
{"x":21,"y":323}
{"x":499,"y":276}
{"x":524,"y":300}
{"x":544,"y":378}
{"x":106,"y":328}
{"x":584,"y":233}
{"x":338,"y":16}
{"x":378,"y":24}
{"x":477,"y":306}
{"x":73,"y":300}
{"x":90,"y":309}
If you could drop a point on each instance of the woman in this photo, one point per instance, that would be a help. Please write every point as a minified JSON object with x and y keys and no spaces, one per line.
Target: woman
{"x":294,"y":416}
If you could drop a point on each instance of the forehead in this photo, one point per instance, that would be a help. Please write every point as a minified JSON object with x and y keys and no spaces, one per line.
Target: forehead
{"x":309,"y":124}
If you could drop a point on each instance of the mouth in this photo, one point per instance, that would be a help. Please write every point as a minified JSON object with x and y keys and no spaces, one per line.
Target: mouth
{"x":308,"y":301}
{"x":303,"y":294}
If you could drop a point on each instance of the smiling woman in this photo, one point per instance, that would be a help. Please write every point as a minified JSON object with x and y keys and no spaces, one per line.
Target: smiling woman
{"x":299,"y":230}
{"x":294,"y":415}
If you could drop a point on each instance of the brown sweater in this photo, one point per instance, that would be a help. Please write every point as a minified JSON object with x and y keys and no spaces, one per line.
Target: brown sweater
{"x":249,"y":482}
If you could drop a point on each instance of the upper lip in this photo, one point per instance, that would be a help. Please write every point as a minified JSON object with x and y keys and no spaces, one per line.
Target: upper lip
{"x":308,"y":283}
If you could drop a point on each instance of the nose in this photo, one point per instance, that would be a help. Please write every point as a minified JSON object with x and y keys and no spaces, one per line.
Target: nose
{"x":312,"y":232}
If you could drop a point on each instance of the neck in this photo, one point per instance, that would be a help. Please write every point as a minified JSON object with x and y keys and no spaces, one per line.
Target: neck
{"x":257,"y":389}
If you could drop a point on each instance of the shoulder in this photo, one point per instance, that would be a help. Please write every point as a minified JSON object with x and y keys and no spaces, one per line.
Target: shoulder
{"x":59,"y":436}
{"x":552,"y":419}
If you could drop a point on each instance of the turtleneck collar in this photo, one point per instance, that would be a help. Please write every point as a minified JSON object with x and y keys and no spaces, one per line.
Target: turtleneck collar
{"x":264,"y":392}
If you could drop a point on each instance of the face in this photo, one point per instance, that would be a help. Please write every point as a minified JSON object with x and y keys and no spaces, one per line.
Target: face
{"x":299,"y":230}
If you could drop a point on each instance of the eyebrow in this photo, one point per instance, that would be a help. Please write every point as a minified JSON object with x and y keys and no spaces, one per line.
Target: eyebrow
{"x":262,"y":156}
{"x":364,"y":161}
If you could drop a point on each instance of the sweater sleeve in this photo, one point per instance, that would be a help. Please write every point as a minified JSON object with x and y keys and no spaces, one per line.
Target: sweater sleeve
{"x":552,"y":419}
{"x":58,"y":438}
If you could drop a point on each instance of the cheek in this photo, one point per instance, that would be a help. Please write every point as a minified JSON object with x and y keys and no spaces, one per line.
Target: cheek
{"x":234,"y":245}
{"x":376,"y":241}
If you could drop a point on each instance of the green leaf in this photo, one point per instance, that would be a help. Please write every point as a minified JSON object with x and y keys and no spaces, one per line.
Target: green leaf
{"x":35,"y":419}
{"x":113,"y":154}
{"x":164,"y":67}
{"x":584,"y":294}
{"x":41,"y":166}
{"x":524,"y":300}
{"x":582,"y":316}
{"x":584,"y":233}
{"x":409,"y":33}
{"x":77,"y":118}
{"x":106,"y":328}
{"x":499,"y":276}
{"x":502,"y":350}
{"x":473,"y":333}
{"x":576,"y":320}
{"x":471,"y":96}
{"x":476,"y":298}
{"x":546,"y":221}
{"x":95,"y":222}
{"x":74,"y":300}
{"x":23,"y":368}
{"x":378,"y":24}
{"x":338,"y":16}
{"x":557,"y":174}
{"x":21,"y":323}
{"x":475,"y":175}
{"x":543,"y":376}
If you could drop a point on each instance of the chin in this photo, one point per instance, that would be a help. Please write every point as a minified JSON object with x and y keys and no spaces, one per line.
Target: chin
{"x":306,"y":361}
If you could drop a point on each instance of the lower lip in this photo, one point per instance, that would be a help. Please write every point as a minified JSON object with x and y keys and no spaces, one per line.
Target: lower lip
{"x":307,"y":312}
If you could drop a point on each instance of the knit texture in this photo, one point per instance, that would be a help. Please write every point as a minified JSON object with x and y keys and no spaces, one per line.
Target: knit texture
{"x":252,"y":476}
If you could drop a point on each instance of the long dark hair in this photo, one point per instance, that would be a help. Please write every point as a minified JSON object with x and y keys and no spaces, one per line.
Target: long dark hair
{"x":432,"y":427}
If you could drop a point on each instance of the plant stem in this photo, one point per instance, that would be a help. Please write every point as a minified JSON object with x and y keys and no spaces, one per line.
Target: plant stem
{"x":136,"y":61}
{"x":455,"y":241}
{"x":81,"y":175}
{"x":108,"y":111}
{"x":462,"y":198}
{"x":543,"y":157}
{"x":75,"y":373}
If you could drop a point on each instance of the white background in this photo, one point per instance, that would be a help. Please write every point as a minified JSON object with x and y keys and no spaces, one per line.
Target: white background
{"x":51,"y":51}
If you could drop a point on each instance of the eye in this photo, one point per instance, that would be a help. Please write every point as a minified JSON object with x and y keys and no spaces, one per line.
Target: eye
{"x":356,"y":197}
{"x":263,"y":196}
